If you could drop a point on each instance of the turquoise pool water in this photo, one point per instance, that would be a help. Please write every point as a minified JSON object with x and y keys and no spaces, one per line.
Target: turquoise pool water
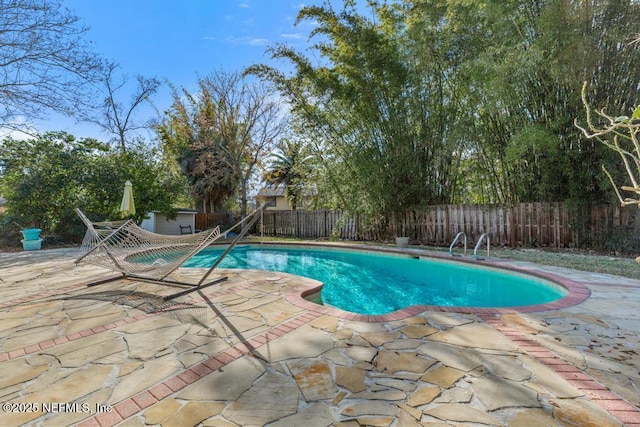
{"x":376,"y":283}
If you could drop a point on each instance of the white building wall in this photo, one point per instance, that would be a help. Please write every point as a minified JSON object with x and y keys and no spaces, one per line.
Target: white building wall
{"x":283,"y":204}
{"x":149,"y":222}
{"x":162,"y":225}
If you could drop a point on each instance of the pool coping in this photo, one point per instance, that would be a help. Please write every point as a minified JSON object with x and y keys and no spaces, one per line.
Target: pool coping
{"x":576,"y":292}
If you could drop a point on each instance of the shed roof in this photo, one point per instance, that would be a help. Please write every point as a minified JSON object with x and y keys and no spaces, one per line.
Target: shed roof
{"x":181,"y":210}
{"x":272,"y":191}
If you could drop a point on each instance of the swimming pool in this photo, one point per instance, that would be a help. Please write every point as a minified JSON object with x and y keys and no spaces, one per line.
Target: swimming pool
{"x":374,"y":283}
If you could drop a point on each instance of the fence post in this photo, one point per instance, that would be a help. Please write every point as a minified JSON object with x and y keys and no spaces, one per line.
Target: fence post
{"x":512,"y":226}
{"x":323,"y":230}
{"x":275,"y":227}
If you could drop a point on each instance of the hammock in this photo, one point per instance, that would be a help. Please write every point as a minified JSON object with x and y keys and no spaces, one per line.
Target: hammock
{"x":96,"y":231}
{"x":140,"y":254}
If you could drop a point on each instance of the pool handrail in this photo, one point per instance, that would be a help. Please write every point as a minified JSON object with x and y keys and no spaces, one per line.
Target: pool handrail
{"x":475,"y":250}
{"x":455,"y":240}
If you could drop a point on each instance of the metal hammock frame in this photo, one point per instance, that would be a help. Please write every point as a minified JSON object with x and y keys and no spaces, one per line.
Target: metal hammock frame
{"x":142,"y":255}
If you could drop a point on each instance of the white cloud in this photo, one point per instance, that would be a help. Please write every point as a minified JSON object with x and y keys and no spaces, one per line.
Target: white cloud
{"x":247,"y":40}
{"x":19,"y":129}
{"x":244,"y":6}
{"x":296,"y":36}
{"x":258,"y":42}
{"x":15,"y":134}
{"x":239,"y":41}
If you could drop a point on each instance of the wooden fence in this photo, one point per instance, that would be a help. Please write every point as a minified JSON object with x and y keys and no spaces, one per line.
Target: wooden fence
{"x":527,"y":224}
{"x":209,"y":220}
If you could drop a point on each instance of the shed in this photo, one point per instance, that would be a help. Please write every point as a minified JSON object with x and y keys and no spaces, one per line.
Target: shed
{"x":157,"y":222}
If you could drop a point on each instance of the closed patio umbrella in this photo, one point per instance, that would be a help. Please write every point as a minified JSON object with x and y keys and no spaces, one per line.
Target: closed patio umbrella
{"x":128,"y":206}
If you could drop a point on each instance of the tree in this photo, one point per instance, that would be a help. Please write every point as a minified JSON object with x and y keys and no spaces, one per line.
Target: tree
{"x":249,"y":121}
{"x":228,"y":126}
{"x":45,"y":61}
{"x":189,"y":137}
{"x":46,"y":177}
{"x":289,"y":166}
{"x":529,"y":61}
{"x":382,"y":118}
{"x":620,"y":134}
{"x":438,"y":101}
{"x":116,"y":118}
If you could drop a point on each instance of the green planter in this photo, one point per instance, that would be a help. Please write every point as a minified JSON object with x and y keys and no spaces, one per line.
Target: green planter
{"x":32,"y":240}
{"x":31,"y":233}
{"x":31,"y":245}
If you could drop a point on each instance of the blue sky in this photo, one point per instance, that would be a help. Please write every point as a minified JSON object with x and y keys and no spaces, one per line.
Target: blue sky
{"x":179,"y":40}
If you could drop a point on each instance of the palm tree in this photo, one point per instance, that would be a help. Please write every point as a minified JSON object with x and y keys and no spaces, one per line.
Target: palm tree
{"x":289,"y":166}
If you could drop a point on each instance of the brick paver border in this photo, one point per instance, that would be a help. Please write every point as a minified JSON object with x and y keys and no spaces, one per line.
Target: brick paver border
{"x":576,"y":293}
{"x":34,"y":348}
{"x":144,"y":399}
{"x":130,"y":406}
{"x":620,"y":409}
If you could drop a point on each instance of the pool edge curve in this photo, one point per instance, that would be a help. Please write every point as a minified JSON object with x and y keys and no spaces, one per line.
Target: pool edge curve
{"x":576,"y":292}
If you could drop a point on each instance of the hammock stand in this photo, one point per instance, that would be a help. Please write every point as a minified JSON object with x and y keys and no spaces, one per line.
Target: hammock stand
{"x":141,"y":255}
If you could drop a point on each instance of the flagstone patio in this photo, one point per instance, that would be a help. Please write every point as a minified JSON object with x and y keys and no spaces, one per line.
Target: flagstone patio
{"x":251,"y":352}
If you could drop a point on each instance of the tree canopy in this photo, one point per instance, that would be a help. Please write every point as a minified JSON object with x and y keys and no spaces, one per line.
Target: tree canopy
{"x":381,"y":123}
{"x":116,"y":117}
{"x":620,"y":134}
{"x":290,"y":165}
{"x":221,"y":134}
{"x":421,"y":102}
{"x":46,"y":177}
{"x":45,"y":61}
